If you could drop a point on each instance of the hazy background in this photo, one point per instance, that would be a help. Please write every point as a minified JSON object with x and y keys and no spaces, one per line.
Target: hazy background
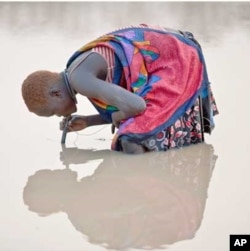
{"x":94,"y":199}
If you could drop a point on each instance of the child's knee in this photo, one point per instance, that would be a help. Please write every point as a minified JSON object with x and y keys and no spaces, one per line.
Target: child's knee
{"x":131,"y":147}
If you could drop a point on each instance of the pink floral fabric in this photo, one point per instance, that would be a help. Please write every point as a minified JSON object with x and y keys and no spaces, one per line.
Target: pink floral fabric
{"x":185,"y":131}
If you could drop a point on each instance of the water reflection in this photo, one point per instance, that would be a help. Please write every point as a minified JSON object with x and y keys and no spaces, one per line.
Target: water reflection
{"x":142,"y":201}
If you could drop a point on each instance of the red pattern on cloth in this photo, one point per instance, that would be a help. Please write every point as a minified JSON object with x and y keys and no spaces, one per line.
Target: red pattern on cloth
{"x":185,"y":131}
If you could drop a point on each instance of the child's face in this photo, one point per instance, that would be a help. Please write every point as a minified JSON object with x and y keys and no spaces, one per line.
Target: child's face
{"x":63,"y":107}
{"x":59,"y":106}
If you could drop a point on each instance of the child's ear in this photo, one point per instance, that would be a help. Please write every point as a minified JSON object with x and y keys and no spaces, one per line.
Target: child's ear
{"x":55,"y":92}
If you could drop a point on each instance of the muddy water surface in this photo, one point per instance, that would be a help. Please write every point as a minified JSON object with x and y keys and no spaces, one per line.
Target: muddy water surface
{"x":85,"y":197}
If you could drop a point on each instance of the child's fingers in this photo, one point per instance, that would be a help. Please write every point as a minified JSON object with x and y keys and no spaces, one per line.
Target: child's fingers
{"x":75,"y":118}
{"x":62,"y":125}
{"x":64,"y":122}
{"x":70,"y":129}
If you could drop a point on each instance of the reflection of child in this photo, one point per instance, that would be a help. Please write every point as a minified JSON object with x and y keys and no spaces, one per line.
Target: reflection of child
{"x":159,"y":98}
{"x":133,"y":201}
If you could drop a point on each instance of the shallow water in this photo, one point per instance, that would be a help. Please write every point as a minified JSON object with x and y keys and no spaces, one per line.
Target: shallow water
{"x":85,"y":197}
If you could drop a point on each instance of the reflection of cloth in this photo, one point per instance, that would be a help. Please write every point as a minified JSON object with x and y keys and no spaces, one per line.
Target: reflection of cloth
{"x":129,"y":201}
{"x":166,"y":68}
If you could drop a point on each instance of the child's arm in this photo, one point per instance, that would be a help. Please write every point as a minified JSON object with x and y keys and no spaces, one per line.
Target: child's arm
{"x":87,"y":79}
{"x":79,"y":122}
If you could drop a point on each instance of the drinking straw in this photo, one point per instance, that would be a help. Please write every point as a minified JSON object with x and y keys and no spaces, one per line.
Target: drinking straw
{"x":63,"y":139}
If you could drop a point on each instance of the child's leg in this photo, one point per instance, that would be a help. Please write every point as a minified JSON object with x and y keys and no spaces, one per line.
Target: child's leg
{"x":131,"y":147}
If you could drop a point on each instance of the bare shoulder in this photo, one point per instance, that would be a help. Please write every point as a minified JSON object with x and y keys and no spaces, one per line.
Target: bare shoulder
{"x":88,"y":64}
{"x":87,"y":74}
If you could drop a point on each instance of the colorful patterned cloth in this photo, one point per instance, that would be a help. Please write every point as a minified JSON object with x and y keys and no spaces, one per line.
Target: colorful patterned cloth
{"x":167,"y":69}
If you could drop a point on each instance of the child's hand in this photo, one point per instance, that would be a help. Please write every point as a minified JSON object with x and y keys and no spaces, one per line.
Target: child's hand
{"x":115,"y":120}
{"x":117,"y":117}
{"x":76,"y":123}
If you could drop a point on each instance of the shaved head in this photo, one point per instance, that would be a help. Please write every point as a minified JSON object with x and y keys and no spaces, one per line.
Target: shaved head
{"x":35,"y":89}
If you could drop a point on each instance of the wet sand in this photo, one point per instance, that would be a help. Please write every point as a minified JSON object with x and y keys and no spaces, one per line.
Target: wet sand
{"x":84,"y":196}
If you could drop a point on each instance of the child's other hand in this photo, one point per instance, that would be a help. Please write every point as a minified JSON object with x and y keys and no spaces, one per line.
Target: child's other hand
{"x":117,"y":117}
{"x":76,"y":123}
